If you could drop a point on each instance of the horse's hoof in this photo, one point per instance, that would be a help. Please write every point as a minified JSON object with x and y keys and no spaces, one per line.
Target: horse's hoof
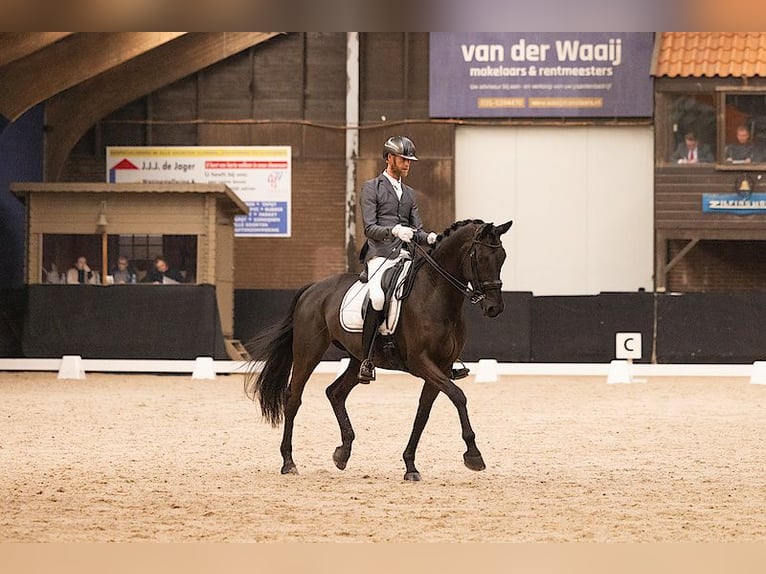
{"x":412,"y":476}
{"x":340,"y":458}
{"x":289,"y":469}
{"x":474,"y":462}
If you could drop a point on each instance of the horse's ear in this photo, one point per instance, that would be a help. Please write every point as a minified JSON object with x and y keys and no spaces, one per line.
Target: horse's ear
{"x":504,"y":227}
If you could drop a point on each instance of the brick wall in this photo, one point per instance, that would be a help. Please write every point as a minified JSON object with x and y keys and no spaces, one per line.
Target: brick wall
{"x":317,"y":246}
{"x":718,"y":266}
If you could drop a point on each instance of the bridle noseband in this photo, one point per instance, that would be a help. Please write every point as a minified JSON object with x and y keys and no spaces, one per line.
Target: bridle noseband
{"x":481,"y":287}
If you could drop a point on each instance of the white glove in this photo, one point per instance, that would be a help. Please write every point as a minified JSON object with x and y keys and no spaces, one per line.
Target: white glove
{"x":403,"y":233}
{"x":431,"y":239}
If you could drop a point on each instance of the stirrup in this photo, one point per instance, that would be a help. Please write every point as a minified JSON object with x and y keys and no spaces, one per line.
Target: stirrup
{"x":460,"y":373}
{"x":366,"y":372}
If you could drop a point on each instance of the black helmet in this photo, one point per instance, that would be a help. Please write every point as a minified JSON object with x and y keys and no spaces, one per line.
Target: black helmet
{"x":399,"y":145}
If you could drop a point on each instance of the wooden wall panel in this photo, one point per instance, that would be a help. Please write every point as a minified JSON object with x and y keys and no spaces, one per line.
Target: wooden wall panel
{"x":678,"y":201}
{"x":226,"y":89}
{"x":144,"y":213}
{"x":178,"y":101}
{"x":325,"y":69}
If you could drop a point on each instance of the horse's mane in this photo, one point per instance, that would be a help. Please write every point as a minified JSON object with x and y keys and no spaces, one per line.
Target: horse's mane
{"x":455,"y":226}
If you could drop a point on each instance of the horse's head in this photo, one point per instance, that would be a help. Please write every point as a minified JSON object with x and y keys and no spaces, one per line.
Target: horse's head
{"x":483,"y":264}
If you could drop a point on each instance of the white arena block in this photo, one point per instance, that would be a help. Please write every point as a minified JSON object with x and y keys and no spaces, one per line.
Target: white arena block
{"x":71,"y":367}
{"x":758,"y":373}
{"x":204,"y":368}
{"x":619,"y":372}
{"x":486,"y":371}
{"x":342,"y":366}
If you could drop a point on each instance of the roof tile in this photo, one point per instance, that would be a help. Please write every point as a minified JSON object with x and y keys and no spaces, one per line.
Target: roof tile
{"x":697,"y":54}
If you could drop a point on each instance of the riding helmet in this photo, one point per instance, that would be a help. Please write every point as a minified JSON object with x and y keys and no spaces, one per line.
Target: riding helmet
{"x":401,"y":146}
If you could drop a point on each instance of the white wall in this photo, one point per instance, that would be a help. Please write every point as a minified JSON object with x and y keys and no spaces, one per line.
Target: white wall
{"x":581,"y":200}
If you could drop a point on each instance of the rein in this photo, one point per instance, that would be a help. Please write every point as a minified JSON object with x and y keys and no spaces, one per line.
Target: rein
{"x":474,"y":295}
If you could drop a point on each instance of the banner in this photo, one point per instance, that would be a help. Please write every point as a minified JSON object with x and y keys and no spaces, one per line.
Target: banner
{"x":734,"y":203}
{"x":540,"y":74}
{"x":259,"y":175}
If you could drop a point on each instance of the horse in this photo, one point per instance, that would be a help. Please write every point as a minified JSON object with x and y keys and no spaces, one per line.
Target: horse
{"x":430,"y":337}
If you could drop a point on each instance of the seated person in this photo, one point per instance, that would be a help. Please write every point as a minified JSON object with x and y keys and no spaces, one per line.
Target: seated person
{"x":123,"y":273}
{"x":162,"y":274}
{"x":691,"y":151}
{"x":743,"y":150}
{"x":81,"y":273}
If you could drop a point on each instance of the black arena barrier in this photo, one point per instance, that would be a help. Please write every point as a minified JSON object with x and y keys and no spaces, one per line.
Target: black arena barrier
{"x":13,"y":308}
{"x":176,"y":322}
{"x":505,"y":337}
{"x":259,"y":309}
{"x":711,"y":327}
{"x":581,"y":329}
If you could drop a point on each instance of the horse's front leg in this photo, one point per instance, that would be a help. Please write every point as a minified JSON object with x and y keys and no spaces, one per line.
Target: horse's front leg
{"x":427,"y":397}
{"x":472,"y":457}
{"x":337,"y":393}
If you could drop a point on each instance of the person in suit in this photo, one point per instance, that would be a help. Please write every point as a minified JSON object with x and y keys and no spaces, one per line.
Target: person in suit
{"x":162,"y":274}
{"x":742,"y":151}
{"x":391,"y":220}
{"x":692,"y":151}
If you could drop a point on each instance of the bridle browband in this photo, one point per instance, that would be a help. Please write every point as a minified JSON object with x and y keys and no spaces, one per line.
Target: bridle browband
{"x":477,"y":293}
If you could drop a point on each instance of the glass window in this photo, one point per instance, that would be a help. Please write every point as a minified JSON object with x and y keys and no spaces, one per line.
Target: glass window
{"x":693,"y":120}
{"x":61,"y":253}
{"x":64,"y":255}
{"x":180,"y":252}
{"x":744,"y":128}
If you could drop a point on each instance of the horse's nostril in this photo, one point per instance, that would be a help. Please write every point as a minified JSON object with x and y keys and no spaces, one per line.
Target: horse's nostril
{"x":493,"y":310}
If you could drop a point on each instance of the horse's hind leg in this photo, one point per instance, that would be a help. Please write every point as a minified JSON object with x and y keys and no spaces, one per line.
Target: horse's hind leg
{"x":427,"y":397}
{"x":337,"y":393}
{"x":292,"y":405}
{"x":303,"y":366}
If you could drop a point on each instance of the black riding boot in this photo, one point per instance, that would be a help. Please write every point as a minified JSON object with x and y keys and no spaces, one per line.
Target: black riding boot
{"x":372,"y":321}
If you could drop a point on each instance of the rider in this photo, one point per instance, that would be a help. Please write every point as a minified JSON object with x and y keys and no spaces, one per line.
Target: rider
{"x":390,"y":216}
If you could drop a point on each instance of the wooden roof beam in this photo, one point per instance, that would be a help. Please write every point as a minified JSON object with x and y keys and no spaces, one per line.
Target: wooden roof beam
{"x":70,"y":114}
{"x":17,"y":45}
{"x":46,"y":72}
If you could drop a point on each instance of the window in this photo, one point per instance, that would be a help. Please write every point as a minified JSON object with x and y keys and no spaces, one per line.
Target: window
{"x":743,"y":130}
{"x":61,"y":251}
{"x":180,"y":251}
{"x":724,"y":128}
{"x":140,"y":247}
{"x":693,"y":119}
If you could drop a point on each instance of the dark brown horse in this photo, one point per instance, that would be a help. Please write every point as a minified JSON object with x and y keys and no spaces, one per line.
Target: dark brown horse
{"x":430,"y":337}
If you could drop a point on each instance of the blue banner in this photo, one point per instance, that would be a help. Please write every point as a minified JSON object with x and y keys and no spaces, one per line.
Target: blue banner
{"x":754,"y":203}
{"x":540,"y":74}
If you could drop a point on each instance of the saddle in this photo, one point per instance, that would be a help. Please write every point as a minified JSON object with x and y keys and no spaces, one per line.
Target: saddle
{"x":355,"y":301}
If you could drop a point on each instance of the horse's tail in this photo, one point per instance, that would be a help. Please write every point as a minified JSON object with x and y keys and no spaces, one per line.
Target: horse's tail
{"x":273,"y":348}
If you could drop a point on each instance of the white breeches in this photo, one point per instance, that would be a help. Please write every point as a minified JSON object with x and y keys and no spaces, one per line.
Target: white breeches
{"x":375,"y":268}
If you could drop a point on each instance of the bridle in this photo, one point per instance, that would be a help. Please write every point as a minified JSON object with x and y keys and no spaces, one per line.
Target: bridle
{"x":480,"y":288}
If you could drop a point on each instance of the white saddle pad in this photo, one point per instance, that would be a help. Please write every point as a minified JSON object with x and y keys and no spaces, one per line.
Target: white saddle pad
{"x":356,"y":297}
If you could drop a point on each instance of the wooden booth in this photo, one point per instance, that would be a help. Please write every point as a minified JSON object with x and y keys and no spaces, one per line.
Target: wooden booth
{"x":710,"y":202}
{"x":190,"y":225}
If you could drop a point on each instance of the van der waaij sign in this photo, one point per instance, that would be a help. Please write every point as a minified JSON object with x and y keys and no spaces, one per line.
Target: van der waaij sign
{"x":489,"y":74}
